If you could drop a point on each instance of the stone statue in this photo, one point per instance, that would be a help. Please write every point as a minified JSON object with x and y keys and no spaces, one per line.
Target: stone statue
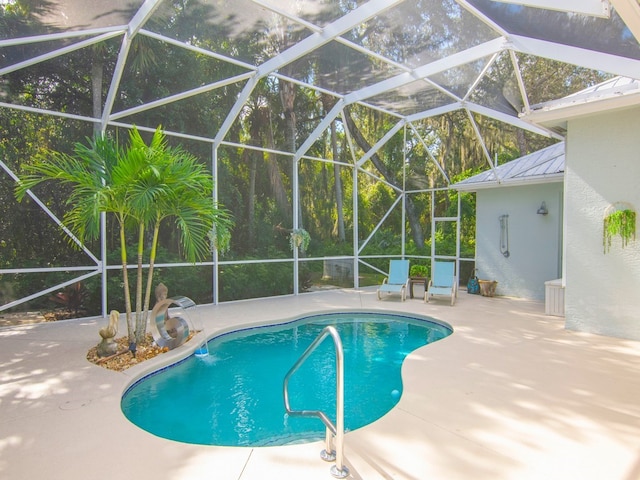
{"x":171,"y":325}
{"x":108,"y":346}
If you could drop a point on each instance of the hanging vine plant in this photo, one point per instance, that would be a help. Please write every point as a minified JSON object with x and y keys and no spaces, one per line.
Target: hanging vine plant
{"x":621,"y":222}
{"x":299,"y":238}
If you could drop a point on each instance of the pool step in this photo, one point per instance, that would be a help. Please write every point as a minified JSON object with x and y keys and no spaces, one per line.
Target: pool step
{"x":292,"y":439}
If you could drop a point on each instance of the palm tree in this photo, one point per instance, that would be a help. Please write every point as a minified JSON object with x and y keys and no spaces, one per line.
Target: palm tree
{"x":98,"y":175}
{"x":140,"y":185}
{"x":173,"y":185}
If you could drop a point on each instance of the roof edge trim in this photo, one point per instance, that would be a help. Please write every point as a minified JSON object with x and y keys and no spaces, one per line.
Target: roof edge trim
{"x":537,"y":180}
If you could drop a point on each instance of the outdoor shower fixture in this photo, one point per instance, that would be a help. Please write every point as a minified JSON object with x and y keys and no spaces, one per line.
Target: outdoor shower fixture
{"x":543,"y":209}
{"x":504,"y":235}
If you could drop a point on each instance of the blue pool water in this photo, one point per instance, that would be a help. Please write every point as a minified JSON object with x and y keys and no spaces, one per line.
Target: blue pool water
{"x":234,"y":396}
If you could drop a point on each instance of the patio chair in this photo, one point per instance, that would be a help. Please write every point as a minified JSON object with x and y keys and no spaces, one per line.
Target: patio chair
{"x":443,"y":281}
{"x":397,"y":280}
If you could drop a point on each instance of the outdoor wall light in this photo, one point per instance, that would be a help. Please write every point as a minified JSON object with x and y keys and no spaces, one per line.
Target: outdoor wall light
{"x":543,"y":209}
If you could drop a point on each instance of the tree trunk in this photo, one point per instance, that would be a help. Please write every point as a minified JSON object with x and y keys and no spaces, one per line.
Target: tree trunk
{"x":275,"y":178}
{"x":96,"y":90}
{"x":125,"y":283}
{"x":337,"y":180}
{"x":140,"y":324}
{"x":416,"y":228}
{"x":251,"y":207}
{"x":327,"y":104}
{"x":522,"y":141}
{"x":152,"y":260}
{"x":288,"y":97}
{"x":414,"y":219}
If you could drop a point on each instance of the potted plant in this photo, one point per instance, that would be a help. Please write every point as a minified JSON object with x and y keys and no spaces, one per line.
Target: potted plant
{"x":418,"y":274}
{"x":621,"y":222}
{"x":419,"y":271}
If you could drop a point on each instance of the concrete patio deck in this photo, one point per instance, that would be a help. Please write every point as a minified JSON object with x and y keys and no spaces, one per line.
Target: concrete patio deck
{"x":510,"y":394}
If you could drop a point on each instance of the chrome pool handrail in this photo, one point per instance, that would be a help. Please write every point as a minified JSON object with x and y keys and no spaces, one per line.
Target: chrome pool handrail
{"x":338,"y":470}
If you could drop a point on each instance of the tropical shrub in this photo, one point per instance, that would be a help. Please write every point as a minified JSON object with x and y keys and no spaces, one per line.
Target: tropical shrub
{"x":140,"y":186}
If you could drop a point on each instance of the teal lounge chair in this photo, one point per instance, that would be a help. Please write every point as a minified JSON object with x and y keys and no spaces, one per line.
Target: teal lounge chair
{"x":443,"y":281}
{"x":397,"y":280}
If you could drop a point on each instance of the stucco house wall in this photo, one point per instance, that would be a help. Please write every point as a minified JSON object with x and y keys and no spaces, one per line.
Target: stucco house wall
{"x":602,"y":293}
{"x":535,"y":241}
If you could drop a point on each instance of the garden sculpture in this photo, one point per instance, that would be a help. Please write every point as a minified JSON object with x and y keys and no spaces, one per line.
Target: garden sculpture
{"x":108,"y":346}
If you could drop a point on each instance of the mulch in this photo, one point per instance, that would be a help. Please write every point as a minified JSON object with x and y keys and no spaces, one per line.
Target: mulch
{"x":124,"y":358}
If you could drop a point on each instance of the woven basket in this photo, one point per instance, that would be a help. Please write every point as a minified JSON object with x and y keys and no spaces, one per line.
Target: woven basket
{"x":488,"y":287}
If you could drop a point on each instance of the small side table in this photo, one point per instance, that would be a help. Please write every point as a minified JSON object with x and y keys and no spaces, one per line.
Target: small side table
{"x":417,"y":280}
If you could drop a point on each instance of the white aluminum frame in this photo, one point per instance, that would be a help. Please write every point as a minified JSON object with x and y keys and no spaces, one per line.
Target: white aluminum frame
{"x":628,"y":10}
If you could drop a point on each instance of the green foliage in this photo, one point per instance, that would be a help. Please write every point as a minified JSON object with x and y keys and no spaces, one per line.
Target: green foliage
{"x":619,"y":222}
{"x":255,"y":280}
{"x":72,"y":297}
{"x":193,"y":282}
{"x":28,"y":237}
{"x":140,"y":185}
{"x":299,"y":238}
{"x":418,"y":270}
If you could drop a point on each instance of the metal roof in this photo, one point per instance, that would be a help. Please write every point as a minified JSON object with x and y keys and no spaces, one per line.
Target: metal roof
{"x":617,"y":92}
{"x":543,"y":166}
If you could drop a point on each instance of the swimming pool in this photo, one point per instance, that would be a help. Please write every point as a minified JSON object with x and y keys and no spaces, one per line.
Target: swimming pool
{"x":234,"y":396}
